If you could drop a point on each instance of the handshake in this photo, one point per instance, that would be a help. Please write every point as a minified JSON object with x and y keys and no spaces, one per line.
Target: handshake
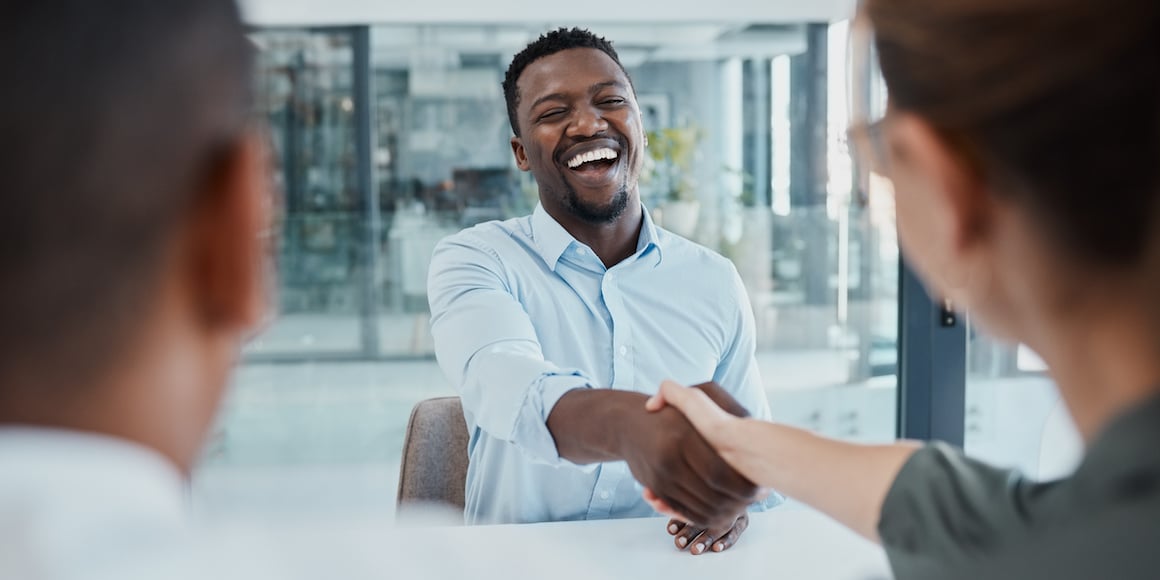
{"x":683,"y":474}
{"x":686,"y":477}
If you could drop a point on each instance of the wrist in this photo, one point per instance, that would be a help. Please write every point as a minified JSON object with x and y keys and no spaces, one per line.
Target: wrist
{"x":594,"y":425}
{"x":623,"y":415}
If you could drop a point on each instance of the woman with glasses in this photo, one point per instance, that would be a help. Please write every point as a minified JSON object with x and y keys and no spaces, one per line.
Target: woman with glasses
{"x":1022,"y":140}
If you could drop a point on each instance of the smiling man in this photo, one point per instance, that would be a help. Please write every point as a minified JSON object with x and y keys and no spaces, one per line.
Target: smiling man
{"x":556,"y":327}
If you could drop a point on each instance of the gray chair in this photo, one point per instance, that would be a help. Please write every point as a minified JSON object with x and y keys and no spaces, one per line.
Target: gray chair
{"x":434,"y":467}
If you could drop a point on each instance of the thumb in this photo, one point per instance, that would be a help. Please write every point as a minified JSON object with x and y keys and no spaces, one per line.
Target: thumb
{"x":697,"y":407}
{"x":658,"y":401}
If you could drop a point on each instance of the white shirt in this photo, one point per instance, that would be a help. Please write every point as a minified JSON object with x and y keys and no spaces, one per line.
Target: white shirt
{"x":76,"y":505}
{"x":82,"y":506}
{"x":522,"y":312}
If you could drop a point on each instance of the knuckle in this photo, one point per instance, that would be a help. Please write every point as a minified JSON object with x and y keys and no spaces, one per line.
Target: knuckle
{"x":740,"y":508}
{"x":709,"y":520}
{"x":720,"y":471}
{"x":720,"y":520}
{"x":669,"y":464}
{"x":735,"y":481}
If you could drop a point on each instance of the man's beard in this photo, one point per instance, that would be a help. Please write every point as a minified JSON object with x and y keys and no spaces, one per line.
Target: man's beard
{"x":595,"y":214}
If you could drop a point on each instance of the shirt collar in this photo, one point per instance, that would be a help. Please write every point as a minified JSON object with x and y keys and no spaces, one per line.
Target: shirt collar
{"x":552,"y":240}
{"x":649,"y":237}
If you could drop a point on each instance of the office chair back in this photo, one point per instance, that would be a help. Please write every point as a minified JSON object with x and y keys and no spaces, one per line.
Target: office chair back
{"x":434,"y":466}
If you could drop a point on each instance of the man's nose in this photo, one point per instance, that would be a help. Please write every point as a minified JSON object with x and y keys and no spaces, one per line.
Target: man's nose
{"x":587,"y":122}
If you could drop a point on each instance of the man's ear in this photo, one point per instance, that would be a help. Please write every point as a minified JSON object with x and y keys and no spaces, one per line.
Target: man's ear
{"x":520,"y":154}
{"x":231,"y":242}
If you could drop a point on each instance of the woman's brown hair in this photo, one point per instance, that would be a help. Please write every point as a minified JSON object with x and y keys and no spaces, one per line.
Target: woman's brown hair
{"x":1057,"y":102}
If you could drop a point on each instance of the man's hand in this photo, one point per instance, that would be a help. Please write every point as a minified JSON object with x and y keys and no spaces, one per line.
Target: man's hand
{"x":700,"y":540}
{"x":662,"y":449}
{"x":668,"y":456}
{"x":722,"y":398}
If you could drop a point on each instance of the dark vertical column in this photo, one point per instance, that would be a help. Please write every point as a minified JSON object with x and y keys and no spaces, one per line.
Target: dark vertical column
{"x":372,"y":226}
{"x":292,"y":134}
{"x":758,"y":129}
{"x":932,"y":346}
{"x":809,"y":168}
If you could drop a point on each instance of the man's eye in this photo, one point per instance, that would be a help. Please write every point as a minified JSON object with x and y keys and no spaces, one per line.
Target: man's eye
{"x":551,"y":114}
{"x":613,"y":101}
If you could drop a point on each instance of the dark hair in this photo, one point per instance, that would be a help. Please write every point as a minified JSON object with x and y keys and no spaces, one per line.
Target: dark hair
{"x":548,"y":44}
{"x":111,"y":116}
{"x":1054,"y":101}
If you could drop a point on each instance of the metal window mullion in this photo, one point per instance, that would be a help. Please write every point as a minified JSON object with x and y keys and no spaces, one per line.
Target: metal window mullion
{"x":364,"y":150}
{"x":931,"y":366}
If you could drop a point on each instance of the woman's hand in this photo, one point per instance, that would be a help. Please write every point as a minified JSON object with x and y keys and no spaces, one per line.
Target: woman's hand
{"x":701,"y":411}
{"x":846,"y":481}
{"x":724,"y":431}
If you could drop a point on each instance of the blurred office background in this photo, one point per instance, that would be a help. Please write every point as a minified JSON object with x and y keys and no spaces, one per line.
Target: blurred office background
{"x":391,"y":132}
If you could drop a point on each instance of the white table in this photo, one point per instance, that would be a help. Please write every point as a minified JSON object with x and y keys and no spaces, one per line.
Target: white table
{"x":790,"y":542}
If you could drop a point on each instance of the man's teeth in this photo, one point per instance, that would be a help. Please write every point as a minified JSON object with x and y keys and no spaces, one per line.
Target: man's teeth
{"x":591,"y":156}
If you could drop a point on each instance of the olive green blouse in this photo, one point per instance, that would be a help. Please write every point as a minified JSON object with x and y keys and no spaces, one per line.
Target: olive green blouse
{"x":949,"y":516}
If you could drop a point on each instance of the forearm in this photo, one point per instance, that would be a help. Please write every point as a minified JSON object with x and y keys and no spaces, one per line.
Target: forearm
{"x":848,"y":482}
{"x":588,"y":424}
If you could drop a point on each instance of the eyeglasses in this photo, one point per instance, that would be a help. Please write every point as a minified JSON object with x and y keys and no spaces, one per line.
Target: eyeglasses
{"x":868,"y":113}
{"x":868,"y":143}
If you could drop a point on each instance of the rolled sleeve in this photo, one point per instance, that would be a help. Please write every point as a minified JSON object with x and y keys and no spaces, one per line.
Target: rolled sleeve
{"x":738,"y":373}
{"x":511,"y":390}
{"x":487,"y":346}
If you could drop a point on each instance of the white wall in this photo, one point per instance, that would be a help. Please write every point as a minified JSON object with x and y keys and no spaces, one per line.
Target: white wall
{"x":336,"y":12}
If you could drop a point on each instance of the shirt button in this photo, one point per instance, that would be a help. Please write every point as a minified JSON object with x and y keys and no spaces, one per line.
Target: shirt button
{"x":605,"y":495}
{"x":624,"y":351}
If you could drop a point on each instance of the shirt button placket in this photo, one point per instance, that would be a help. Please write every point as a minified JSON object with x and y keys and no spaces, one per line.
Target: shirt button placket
{"x":612,"y":302}
{"x":602,"y":499}
{"x":604,"y":494}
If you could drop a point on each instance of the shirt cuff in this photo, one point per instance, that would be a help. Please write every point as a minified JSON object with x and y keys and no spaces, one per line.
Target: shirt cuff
{"x":775,"y":499}
{"x":531,"y":430}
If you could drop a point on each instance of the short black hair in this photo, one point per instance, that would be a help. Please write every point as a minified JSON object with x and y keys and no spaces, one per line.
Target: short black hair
{"x":548,"y":44}
{"x":113,"y":115}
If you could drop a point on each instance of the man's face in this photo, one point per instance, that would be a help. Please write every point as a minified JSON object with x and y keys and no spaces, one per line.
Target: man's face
{"x":580,"y":134}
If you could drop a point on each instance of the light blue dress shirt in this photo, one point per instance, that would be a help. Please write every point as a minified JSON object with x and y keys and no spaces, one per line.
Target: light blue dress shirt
{"x":521,"y":313}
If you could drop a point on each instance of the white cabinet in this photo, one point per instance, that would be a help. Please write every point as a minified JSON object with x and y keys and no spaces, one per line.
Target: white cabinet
{"x":864,"y":412}
{"x":1014,"y":422}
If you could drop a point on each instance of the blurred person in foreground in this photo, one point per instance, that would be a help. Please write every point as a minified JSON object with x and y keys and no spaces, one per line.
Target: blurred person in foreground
{"x":557,"y":327}
{"x":1022,"y":138}
{"x":132,"y":267}
{"x":134,"y":261}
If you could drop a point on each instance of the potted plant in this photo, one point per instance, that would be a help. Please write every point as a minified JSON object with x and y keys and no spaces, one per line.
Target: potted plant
{"x":672,"y":151}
